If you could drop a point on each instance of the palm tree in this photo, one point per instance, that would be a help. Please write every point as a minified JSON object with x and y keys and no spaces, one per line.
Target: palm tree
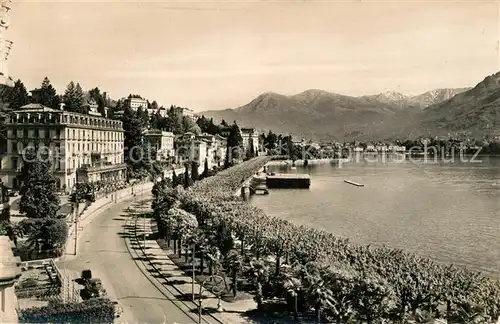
{"x":317,"y":290}
{"x":259,"y":272}
{"x":293,"y":287}
{"x":233,"y":263}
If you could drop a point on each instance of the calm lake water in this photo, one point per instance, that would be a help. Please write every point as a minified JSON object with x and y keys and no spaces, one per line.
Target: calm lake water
{"x":449,"y":212}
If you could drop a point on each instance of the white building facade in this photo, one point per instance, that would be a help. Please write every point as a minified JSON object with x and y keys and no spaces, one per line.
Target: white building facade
{"x":162,"y":144}
{"x":80,"y":147}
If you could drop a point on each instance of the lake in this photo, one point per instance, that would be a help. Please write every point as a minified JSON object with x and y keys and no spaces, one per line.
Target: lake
{"x":449,"y":212}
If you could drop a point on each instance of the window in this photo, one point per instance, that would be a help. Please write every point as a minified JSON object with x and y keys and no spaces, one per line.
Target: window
{"x":14,"y":161}
{"x":14,"y":147}
{"x":25,"y":133}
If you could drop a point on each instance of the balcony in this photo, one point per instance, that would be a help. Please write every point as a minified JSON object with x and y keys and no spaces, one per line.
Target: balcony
{"x":102,"y":168}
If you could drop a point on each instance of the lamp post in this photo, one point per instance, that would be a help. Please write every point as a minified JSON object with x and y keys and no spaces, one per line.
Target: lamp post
{"x":144,"y":216}
{"x":194,"y":278}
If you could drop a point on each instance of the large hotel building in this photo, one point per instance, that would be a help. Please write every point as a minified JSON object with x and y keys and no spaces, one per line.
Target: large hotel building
{"x":80,"y":147}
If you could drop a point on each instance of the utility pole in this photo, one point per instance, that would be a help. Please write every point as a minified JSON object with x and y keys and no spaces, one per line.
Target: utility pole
{"x":144,"y":216}
{"x":194,"y":278}
{"x":76,"y":229}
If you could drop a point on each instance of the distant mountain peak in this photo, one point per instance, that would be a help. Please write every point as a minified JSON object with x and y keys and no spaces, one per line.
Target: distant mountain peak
{"x":314,"y":92}
{"x":316,"y":113}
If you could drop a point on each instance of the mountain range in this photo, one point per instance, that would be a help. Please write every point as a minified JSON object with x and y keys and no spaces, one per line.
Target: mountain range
{"x":320,"y":114}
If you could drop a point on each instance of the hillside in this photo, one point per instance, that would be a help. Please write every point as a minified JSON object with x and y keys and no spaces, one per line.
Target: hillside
{"x":320,"y":114}
{"x":476,"y":110}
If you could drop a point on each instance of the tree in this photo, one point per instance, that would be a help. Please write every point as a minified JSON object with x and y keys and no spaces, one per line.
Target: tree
{"x":174,"y":121}
{"x":189,"y":125}
{"x":202,"y":122}
{"x":118,"y":107}
{"x":251,"y":148}
{"x":233,"y":262}
{"x":47,"y":95}
{"x":154,"y":106}
{"x":155,"y":120}
{"x":174,"y":179}
{"x":80,"y":194}
{"x":45,"y":234}
{"x":194,"y":171}
{"x":133,"y":138}
{"x":270,"y":141}
{"x":143,"y":115}
{"x":259,"y":272}
{"x":13,"y":231}
{"x":68,"y":97}
{"x":212,"y":127}
{"x":73,"y":97}
{"x":5,"y":214}
{"x":79,"y":99}
{"x":17,"y":96}
{"x":234,"y":144}
{"x":38,"y":190}
{"x":293,"y":287}
{"x":206,"y":170}
{"x":100,"y":99}
{"x":187,"y":180}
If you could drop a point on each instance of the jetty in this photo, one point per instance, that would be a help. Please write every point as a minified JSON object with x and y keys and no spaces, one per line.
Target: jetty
{"x":354,"y":183}
{"x":258,"y":184}
{"x":287,"y":180}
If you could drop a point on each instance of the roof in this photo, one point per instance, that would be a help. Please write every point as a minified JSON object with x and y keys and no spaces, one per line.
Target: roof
{"x":158,"y":132}
{"x":36,"y":107}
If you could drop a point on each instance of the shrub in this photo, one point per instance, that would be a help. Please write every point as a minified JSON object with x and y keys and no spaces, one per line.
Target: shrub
{"x":99,"y":310}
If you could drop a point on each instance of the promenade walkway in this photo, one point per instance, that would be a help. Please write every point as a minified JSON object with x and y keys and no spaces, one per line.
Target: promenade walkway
{"x":160,"y":265}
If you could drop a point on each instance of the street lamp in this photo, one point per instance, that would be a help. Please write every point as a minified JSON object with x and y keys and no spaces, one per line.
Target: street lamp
{"x":194,"y":278}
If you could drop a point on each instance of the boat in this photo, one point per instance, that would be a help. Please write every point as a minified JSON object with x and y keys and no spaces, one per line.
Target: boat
{"x":354,"y":183}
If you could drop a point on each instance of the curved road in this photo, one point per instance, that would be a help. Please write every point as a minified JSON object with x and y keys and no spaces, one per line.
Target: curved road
{"x":102,"y":249}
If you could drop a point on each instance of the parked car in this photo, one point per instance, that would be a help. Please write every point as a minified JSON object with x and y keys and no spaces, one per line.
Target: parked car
{"x":12,"y":193}
{"x":118,"y":309}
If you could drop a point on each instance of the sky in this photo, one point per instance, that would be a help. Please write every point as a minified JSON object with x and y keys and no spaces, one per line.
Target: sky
{"x":215,"y":55}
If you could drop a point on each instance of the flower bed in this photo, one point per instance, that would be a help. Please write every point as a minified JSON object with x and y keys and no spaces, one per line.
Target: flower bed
{"x":315,"y":269}
{"x":98,"y":310}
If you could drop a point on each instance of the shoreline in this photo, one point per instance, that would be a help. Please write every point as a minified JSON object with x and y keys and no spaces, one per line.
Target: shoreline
{"x":246,"y":183}
{"x":254,"y":225}
{"x":301,"y":162}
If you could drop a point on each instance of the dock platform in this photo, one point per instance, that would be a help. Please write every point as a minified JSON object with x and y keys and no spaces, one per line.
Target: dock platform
{"x":258,"y":184}
{"x":287,"y":180}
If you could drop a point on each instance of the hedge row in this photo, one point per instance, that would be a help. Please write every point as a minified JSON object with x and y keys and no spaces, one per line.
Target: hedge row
{"x":98,"y":310}
{"x":351,"y":281}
